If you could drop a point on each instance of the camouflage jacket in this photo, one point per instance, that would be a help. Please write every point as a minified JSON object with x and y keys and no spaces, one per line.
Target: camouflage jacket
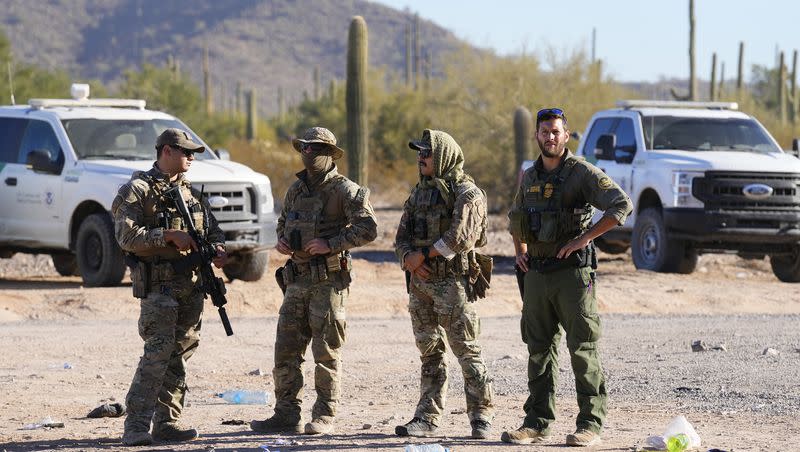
{"x":585,"y":184}
{"x":336,"y":209}
{"x":135,"y":208}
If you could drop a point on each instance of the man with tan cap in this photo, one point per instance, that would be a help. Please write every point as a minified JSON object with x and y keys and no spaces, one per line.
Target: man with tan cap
{"x":324,"y":215}
{"x":150,"y":231}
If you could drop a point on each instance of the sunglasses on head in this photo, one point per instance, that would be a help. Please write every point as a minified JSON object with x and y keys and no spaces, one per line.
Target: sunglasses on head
{"x":313,"y":147}
{"x":551,"y":112}
{"x":424,"y":153}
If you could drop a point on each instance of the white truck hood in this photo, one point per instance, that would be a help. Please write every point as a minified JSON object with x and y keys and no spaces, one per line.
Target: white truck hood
{"x":200,"y":171}
{"x":728,"y":161}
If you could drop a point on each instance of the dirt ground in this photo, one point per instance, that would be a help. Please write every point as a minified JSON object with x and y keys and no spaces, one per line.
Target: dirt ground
{"x":67,"y":348}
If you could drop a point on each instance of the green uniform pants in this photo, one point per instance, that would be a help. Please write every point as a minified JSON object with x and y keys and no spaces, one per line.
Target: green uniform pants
{"x":311,"y":312}
{"x":565,"y":297}
{"x":169,"y":324}
{"x":441,"y":314}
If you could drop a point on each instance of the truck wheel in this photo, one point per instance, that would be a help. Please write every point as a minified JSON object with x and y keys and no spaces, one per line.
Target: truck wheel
{"x":247,"y":267}
{"x":610,"y":247}
{"x":66,"y":264}
{"x":787,"y":268}
{"x":652,"y":249}
{"x":99,"y":257}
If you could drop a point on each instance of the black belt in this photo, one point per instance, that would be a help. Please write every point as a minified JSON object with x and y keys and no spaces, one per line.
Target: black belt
{"x":578,"y":259}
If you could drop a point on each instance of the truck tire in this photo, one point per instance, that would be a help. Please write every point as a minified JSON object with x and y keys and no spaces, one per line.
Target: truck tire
{"x":247,"y":267}
{"x":787,"y":268}
{"x":66,"y":264}
{"x":652,"y":249}
{"x":610,"y":247}
{"x":99,"y":257}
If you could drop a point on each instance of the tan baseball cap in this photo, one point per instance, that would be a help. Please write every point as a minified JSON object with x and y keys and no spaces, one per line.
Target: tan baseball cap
{"x":179,"y":138}
{"x":319,"y":135}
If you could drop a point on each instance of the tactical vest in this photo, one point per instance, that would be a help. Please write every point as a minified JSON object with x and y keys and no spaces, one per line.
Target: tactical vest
{"x":306,"y":219}
{"x":160,"y":211}
{"x":543,"y":218}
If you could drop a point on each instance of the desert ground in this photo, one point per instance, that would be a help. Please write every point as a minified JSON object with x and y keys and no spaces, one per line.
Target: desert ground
{"x":66,"y":349}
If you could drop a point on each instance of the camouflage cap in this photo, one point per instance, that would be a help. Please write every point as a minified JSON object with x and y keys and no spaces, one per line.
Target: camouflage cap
{"x":424,"y":143}
{"x":179,"y":138}
{"x":319,"y":135}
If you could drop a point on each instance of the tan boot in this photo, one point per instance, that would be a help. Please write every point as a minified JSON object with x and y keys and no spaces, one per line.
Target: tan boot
{"x":320,"y":425}
{"x":523,"y":435}
{"x":583,"y":438}
{"x":278,"y":424}
{"x":136,"y":438}
{"x":169,"y":431}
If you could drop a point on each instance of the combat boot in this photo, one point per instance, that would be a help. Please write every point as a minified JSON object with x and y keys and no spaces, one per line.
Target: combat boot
{"x":278,"y":424}
{"x":136,"y":438}
{"x":416,"y":427}
{"x":320,"y":425}
{"x":169,"y":431}
{"x":583,"y":438}
{"x":524,"y":435}
{"x":481,"y":429}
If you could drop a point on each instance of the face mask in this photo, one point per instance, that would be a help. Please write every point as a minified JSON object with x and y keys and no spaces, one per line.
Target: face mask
{"x":316,"y":164}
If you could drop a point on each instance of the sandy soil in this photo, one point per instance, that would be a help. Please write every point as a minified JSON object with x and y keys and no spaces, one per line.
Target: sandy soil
{"x":48,"y":321}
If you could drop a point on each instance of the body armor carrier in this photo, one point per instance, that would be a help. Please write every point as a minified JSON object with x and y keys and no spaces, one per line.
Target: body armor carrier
{"x":543,"y":218}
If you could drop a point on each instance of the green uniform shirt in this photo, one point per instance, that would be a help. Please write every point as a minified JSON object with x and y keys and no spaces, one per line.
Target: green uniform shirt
{"x":585,"y":184}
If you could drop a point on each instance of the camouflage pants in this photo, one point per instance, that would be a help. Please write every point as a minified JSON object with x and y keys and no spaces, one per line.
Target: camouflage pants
{"x":169,"y":324}
{"x":565,"y":297}
{"x":441,"y":313}
{"x":311,"y":312}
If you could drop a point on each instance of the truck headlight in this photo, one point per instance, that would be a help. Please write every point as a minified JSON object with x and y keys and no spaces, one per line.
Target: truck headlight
{"x":265,"y":201}
{"x":682,"y":189}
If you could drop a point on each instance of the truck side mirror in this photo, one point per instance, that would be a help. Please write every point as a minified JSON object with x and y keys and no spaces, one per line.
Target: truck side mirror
{"x":41,"y":162}
{"x":604,"y":149}
{"x":223,"y":154}
{"x":576,"y":136}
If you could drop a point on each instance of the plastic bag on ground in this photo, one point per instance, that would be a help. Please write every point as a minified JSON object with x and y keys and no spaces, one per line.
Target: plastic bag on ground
{"x":680,"y":425}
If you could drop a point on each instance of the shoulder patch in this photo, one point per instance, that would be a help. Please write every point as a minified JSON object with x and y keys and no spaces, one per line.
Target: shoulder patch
{"x":605,"y":183}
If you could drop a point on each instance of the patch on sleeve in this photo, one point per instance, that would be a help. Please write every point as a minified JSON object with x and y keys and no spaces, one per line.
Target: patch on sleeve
{"x":605,"y":183}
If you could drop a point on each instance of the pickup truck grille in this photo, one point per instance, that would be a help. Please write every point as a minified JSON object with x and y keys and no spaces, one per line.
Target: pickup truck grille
{"x":723,"y":191}
{"x":241,"y":206}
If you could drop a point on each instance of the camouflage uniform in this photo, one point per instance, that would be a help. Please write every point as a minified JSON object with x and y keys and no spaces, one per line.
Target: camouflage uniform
{"x":439,"y":306}
{"x":313,"y":309}
{"x":171,"y":302}
{"x":549,"y":210}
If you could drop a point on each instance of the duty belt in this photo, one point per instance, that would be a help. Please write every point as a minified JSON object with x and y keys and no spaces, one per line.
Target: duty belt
{"x":584,"y":257}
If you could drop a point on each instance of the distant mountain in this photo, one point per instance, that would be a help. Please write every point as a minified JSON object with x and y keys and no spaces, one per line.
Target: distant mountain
{"x":264,"y":44}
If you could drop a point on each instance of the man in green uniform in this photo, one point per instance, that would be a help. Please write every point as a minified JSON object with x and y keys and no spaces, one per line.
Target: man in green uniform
{"x":149,"y":228}
{"x":324,"y":215}
{"x":550,"y":223}
{"x":444,"y":220}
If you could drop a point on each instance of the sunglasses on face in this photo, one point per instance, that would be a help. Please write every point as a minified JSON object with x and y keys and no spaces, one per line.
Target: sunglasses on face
{"x":186,"y":152}
{"x":424,"y":153}
{"x":313,"y":147}
{"x":547,"y":112}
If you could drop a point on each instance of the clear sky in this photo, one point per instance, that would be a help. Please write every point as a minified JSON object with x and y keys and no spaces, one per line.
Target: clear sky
{"x":639,"y":40}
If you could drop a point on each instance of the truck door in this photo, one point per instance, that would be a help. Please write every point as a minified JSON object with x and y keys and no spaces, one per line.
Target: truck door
{"x":37,"y":202}
{"x":620,"y":169}
{"x":11,"y":131}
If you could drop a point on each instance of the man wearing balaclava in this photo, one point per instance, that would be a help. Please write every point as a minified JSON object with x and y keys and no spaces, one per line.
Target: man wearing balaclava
{"x":444,"y":220}
{"x":324,"y":215}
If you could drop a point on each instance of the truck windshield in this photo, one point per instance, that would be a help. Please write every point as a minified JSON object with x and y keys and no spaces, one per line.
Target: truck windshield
{"x":111,"y":139}
{"x":706,"y":134}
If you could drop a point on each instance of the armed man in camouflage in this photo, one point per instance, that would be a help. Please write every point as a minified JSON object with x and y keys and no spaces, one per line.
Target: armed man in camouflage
{"x":150,"y":230}
{"x":550,"y":223}
{"x":444,"y":220}
{"x":324,"y":215}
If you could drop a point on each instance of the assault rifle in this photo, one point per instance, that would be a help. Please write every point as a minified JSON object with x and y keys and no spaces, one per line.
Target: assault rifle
{"x":212,"y":285}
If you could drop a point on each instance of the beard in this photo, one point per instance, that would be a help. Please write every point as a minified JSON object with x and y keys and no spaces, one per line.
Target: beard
{"x":553,"y":152}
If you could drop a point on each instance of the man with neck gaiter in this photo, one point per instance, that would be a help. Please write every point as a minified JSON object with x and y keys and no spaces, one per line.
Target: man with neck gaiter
{"x":444,"y":220}
{"x":324,"y":215}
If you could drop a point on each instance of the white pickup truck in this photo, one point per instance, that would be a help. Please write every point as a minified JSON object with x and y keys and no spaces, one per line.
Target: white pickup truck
{"x":704,"y":178}
{"x":62,"y":162}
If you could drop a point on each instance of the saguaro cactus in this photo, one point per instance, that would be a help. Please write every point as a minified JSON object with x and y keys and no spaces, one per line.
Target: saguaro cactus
{"x":713,"y":86}
{"x":207,"y":83}
{"x":356,"y":100}
{"x":252,"y":114}
{"x":523,"y":136}
{"x":417,"y":56}
{"x":793,"y":95}
{"x":782,"y":98}
{"x":408,"y":55}
{"x":692,"y":79}
{"x":316,"y":83}
{"x":740,"y":71}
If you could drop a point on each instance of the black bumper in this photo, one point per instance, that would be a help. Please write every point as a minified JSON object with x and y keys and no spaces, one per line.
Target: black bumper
{"x":745,"y":227}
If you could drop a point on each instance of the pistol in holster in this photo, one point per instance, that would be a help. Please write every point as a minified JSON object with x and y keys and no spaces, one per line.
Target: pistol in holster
{"x":140,"y":275}
{"x":279,"y":279}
